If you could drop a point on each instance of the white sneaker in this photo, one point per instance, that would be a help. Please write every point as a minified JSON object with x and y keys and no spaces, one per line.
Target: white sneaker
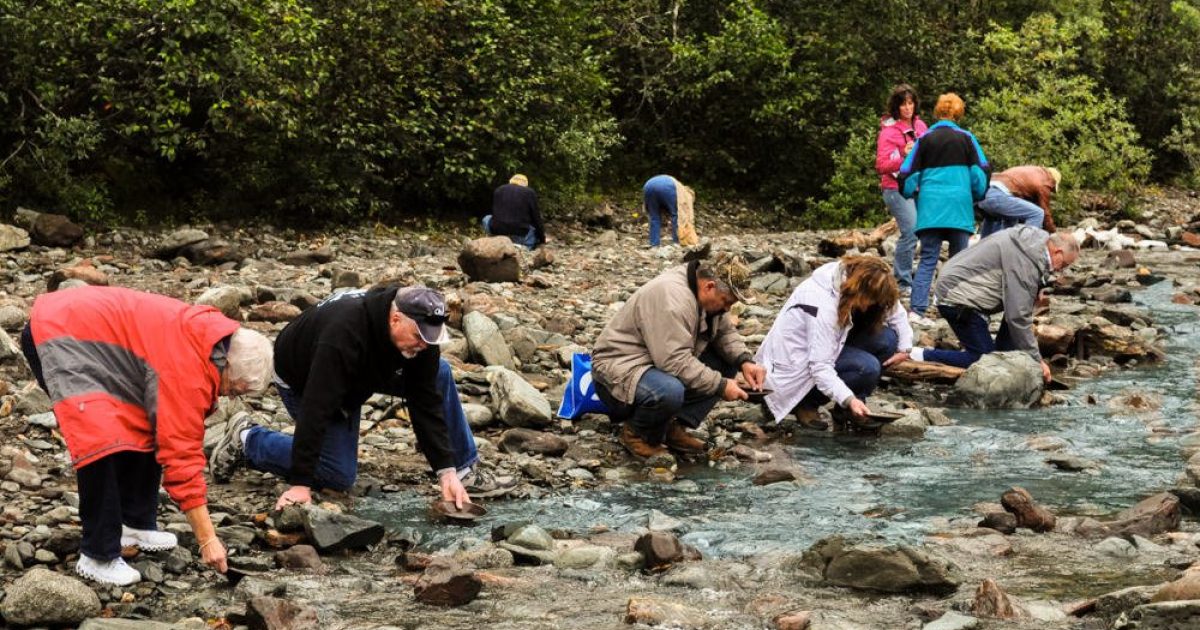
{"x":921,"y":320}
{"x":111,"y":572}
{"x":147,"y":539}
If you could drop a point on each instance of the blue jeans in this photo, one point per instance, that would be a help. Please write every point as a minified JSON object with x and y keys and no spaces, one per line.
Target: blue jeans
{"x":931,"y":248}
{"x":1003,"y":210}
{"x":337,"y":468}
{"x":971,"y":328}
{"x":661,"y":397}
{"x":529,"y":240}
{"x":905,"y":213}
{"x":859,"y":365}
{"x":659,"y":196}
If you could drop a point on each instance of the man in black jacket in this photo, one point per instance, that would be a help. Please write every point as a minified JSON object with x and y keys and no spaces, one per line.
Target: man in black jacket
{"x":328,"y":362}
{"x":515,"y":214}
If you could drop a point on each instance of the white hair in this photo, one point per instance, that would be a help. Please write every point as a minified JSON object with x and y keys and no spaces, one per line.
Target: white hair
{"x":251,"y":361}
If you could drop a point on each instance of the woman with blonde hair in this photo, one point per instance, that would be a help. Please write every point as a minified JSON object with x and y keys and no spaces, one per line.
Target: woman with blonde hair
{"x":946,"y":173}
{"x":831,"y":341}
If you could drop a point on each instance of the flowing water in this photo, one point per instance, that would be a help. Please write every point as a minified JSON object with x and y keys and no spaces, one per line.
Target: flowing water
{"x":895,"y":487}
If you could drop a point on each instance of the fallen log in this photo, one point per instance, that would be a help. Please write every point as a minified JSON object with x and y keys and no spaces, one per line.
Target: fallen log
{"x":835,"y":246}
{"x":924,"y":371}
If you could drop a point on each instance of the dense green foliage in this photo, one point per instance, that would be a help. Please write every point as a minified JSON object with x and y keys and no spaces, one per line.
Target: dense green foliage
{"x":373,"y":108}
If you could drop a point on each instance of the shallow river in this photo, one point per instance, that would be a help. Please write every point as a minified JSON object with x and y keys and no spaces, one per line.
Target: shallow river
{"x":895,"y":487}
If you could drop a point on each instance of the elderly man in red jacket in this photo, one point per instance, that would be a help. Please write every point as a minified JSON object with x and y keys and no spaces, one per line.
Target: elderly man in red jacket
{"x":132,"y":376}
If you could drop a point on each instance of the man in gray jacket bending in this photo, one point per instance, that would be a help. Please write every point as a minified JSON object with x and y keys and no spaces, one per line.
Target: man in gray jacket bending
{"x":663,"y":360}
{"x":1003,"y":272}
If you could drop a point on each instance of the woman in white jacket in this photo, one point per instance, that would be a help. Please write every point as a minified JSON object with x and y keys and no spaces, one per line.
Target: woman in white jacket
{"x":831,"y":341}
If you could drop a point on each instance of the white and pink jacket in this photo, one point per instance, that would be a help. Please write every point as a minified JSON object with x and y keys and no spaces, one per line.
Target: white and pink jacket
{"x":889,"y":149}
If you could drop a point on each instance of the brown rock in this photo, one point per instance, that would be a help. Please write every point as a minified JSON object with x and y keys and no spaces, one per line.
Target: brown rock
{"x":660,"y":549}
{"x":1190,"y":239}
{"x":1153,"y":515}
{"x":657,"y":612}
{"x":272,"y":613}
{"x":491,"y":259}
{"x":542,"y":258}
{"x":279,"y":540}
{"x":992,"y":601}
{"x":83,"y":271}
{"x":55,"y":230}
{"x":533,"y":442}
{"x":299,"y":557}
{"x":795,"y":620}
{"x":1120,"y":259}
{"x":1029,"y":514}
{"x":1053,"y":339}
{"x":212,"y":251}
{"x":1186,"y":587}
{"x":1002,"y":522}
{"x":774,"y":475}
{"x":447,"y":585}
{"x":1182,"y":298}
{"x":305,"y":257}
{"x":274,"y":312}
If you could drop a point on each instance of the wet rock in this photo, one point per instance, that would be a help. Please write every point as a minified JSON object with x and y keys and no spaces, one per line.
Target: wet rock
{"x":656,"y":612}
{"x":1153,"y":515}
{"x":1002,"y":522}
{"x":1054,"y":339}
{"x":1185,"y":588}
{"x":491,"y":259}
{"x":1116,"y":548}
{"x":991,"y":601}
{"x":885,"y":569}
{"x":533,"y":443}
{"x":519,"y":403}
{"x":307,"y":257}
{"x":43,"y":598}
{"x":274,"y":312}
{"x":226,"y":299}
{"x":447,"y":585}
{"x":487,"y":344}
{"x":55,"y":230}
{"x":272,"y":613}
{"x":774,"y":474}
{"x":795,"y":620}
{"x":1189,"y":499}
{"x":953,"y":621}
{"x":1108,"y":295}
{"x":1073,"y":463}
{"x":176,"y":241}
{"x":13,"y":237}
{"x":1030,"y":515}
{"x":911,"y":426}
{"x":660,"y":550}
{"x":1120,"y":342}
{"x":330,"y":531}
{"x":657,"y":521}
{"x":1161,"y":616}
{"x":1001,"y":380}
{"x":299,"y":557}
{"x":531,"y":537}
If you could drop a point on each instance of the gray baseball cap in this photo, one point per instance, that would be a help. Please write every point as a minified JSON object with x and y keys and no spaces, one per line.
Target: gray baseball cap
{"x":426,"y":307}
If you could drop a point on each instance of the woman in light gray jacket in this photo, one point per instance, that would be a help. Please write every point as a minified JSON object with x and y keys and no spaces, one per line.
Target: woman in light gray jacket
{"x":831,"y":341}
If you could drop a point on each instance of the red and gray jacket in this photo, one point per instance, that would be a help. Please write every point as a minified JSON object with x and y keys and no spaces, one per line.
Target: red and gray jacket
{"x":132,"y":371}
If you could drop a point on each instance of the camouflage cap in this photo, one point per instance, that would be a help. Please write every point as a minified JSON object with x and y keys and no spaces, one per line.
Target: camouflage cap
{"x":732,"y":272}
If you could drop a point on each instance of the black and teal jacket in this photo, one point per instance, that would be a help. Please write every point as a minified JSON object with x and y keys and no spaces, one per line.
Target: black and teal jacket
{"x":946,"y":173}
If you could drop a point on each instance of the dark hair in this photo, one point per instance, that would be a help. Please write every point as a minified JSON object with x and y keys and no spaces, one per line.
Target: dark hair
{"x":899,"y":94}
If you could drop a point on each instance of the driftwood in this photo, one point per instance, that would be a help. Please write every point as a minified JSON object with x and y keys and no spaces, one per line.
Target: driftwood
{"x":835,"y":246}
{"x":924,"y":371}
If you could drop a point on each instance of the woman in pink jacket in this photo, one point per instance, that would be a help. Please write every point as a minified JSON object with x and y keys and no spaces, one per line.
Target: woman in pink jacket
{"x":898,"y":130}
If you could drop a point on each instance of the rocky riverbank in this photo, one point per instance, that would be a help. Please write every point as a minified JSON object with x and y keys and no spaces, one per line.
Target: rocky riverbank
{"x":514,"y":339}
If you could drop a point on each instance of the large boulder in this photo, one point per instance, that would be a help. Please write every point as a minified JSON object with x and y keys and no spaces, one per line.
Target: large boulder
{"x":891,"y":569}
{"x":44,"y":598}
{"x":1001,"y":380}
{"x":519,"y":403}
{"x":1028,"y":513}
{"x":486,"y":342}
{"x":1153,"y":515}
{"x":491,"y":259}
{"x":55,"y":230}
{"x":13,"y":237}
{"x":330,"y":531}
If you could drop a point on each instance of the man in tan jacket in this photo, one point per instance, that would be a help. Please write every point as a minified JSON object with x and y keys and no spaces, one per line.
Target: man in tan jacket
{"x":663,"y":360}
{"x":1020,"y":194}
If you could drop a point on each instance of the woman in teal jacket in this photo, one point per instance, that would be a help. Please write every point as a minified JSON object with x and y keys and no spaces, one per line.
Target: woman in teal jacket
{"x":946,"y":173}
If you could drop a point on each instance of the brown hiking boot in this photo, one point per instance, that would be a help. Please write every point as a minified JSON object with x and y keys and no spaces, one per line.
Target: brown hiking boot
{"x":811,"y":419}
{"x":638,"y":446}
{"x":680,"y":440}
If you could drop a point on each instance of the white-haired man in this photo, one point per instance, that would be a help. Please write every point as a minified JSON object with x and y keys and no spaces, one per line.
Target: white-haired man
{"x":132,"y":376}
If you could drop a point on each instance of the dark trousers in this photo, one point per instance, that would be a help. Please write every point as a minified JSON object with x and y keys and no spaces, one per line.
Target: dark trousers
{"x":118,"y":489}
{"x":859,"y":365}
{"x":661,"y":397}
{"x":971,"y":328}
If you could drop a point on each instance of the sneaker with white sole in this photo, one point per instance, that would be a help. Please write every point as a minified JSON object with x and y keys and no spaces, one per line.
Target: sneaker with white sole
{"x":482,"y":483}
{"x":920,"y":320}
{"x":113,"y":571}
{"x":148,"y":539}
{"x":229,"y":452}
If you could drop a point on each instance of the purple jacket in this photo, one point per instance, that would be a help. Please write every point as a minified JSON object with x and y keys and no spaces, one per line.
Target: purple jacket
{"x":889,"y":150}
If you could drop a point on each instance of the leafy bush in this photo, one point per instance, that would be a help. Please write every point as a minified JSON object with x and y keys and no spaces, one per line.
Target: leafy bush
{"x":852,"y":197}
